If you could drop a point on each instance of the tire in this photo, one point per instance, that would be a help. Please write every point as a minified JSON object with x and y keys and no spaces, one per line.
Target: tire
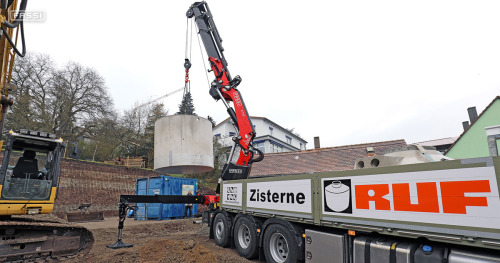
{"x":245,"y":238}
{"x":280,"y":245}
{"x":221,"y":230}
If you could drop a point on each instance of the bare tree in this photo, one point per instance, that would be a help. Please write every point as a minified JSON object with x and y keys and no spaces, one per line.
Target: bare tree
{"x":80,"y":99}
{"x":73,"y":102}
{"x":138,"y":126}
{"x":33,"y":77}
{"x":69,"y":101}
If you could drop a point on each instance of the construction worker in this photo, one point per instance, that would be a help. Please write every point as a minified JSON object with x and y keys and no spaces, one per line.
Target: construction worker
{"x":188,"y":207}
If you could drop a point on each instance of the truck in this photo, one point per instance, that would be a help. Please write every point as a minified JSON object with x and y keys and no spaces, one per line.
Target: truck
{"x":431,"y":212}
{"x":438,"y":211}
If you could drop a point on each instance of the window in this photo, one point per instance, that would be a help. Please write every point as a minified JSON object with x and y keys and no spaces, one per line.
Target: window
{"x":301,"y":146}
{"x":260,"y":146}
{"x":217,"y":136}
{"x":276,"y":148}
{"x":30,"y":173}
{"x":231,"y":133}
{"x":288,"y":140}
{"x":271,"y":130}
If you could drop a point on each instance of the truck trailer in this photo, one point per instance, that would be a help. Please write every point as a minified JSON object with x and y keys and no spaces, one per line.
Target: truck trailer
{"x":445,"y":211}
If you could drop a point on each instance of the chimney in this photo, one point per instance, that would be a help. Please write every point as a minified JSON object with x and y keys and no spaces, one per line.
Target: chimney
{"x":316,"y":142}
{"x":472,"y":114}
{"x":465,"y":124}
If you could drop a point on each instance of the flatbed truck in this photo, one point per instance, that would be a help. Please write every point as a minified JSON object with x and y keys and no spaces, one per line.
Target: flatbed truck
{"x":432,"y":212}
{"x":443,"y":211}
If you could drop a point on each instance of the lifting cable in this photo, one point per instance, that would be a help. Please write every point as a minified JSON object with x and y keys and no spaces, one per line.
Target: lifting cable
{"x":187,"y":63}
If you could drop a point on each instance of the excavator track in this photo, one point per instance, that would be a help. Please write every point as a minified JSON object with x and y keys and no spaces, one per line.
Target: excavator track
{"x":24,"y":239}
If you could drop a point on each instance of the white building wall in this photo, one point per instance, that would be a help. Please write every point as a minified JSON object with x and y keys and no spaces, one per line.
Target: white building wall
{"x":259,"y":127}
{"x":223,"y":133}
{"x":270,"y":137}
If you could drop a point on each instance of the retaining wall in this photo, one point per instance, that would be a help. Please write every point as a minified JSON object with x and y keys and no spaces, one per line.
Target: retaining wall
{"x":95,"y":183}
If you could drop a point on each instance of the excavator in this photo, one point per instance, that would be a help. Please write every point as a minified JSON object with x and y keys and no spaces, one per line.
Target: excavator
{"x":30,"y":170}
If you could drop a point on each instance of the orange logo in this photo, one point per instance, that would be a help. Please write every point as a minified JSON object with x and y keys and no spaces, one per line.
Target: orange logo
{"x":453,"y":196}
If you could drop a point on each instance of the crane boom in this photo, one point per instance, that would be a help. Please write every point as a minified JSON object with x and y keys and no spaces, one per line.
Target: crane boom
{"x":224,"y":87}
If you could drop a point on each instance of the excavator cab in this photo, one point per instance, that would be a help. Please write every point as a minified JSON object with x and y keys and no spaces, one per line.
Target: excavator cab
{"x":30,"y":167}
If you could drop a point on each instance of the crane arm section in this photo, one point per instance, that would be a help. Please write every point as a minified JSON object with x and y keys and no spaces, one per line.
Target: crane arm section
{"x":225,"y":87}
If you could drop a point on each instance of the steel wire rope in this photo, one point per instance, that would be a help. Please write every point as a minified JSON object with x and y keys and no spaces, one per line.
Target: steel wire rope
{"x":187,"y":54}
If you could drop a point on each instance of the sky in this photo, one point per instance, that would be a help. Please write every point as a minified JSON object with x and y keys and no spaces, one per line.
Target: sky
{"x":349,"y":72}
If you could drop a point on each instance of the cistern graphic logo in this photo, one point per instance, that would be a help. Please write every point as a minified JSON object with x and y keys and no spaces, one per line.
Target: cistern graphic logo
{"x":337,"y":195}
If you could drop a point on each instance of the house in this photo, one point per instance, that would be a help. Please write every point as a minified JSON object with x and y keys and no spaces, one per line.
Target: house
{"x":442,"y":145}
{"x":473,"y":142}
{"x":338,"y":158}
{"x":270,"y":137}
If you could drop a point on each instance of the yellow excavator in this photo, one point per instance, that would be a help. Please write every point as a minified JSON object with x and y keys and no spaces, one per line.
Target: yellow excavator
{"x":30,"y":169}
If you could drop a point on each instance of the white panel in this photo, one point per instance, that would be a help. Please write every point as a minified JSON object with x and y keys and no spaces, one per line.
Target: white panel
{"x":232,"y":194}
{"x":292,"y":195}
{"x":462,"y":197}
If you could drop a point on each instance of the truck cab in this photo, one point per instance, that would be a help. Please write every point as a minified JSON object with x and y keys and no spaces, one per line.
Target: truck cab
{"x":29,"y":173}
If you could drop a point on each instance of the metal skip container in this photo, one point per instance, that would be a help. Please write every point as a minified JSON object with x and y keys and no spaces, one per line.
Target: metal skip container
{"x":164,"y":185}
{"x":183,"y":145}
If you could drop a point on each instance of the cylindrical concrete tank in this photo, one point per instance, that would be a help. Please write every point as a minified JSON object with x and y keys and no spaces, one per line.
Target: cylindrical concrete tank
{"x":183,"y":145}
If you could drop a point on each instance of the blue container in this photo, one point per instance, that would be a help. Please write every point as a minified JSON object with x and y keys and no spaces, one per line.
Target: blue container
{"x":164,"y":185}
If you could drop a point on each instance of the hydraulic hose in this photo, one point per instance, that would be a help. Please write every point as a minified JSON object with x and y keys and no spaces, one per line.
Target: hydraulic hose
{"x":12,"y":43}
{"x":20,"y":15}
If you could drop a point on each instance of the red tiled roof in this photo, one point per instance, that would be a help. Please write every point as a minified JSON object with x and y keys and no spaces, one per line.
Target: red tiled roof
{"x":338,"y":158}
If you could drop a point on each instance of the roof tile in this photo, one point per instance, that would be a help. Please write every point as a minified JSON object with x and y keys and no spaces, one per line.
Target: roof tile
{"x":338,"y":158}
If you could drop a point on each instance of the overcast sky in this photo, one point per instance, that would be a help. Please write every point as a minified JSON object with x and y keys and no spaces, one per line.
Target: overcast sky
{"x":348,"y":71}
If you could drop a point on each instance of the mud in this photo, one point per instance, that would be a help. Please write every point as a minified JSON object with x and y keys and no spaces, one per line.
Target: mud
{"x":155,"y":241}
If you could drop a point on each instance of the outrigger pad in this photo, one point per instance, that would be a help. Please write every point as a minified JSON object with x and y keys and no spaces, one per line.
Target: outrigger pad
{"x":119,"y":244}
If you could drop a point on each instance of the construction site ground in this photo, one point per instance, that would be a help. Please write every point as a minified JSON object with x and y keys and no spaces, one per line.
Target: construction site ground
{"x":155,"y":241}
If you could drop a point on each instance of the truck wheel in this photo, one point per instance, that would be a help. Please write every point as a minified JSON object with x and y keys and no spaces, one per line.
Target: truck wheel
{"x":221,"y":230}
{"x":280,"y":245}
{"x":245,"y":238}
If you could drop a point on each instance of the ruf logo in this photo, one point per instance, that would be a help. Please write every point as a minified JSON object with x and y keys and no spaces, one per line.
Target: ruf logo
{"x":452,"y":196}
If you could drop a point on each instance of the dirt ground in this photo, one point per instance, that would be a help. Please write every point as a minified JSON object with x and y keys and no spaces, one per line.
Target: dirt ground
{"x":155,"y":241}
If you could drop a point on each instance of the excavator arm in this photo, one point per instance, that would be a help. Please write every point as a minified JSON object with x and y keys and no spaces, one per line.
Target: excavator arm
{"x":9,"y":21}
{"x":224,"y":88}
